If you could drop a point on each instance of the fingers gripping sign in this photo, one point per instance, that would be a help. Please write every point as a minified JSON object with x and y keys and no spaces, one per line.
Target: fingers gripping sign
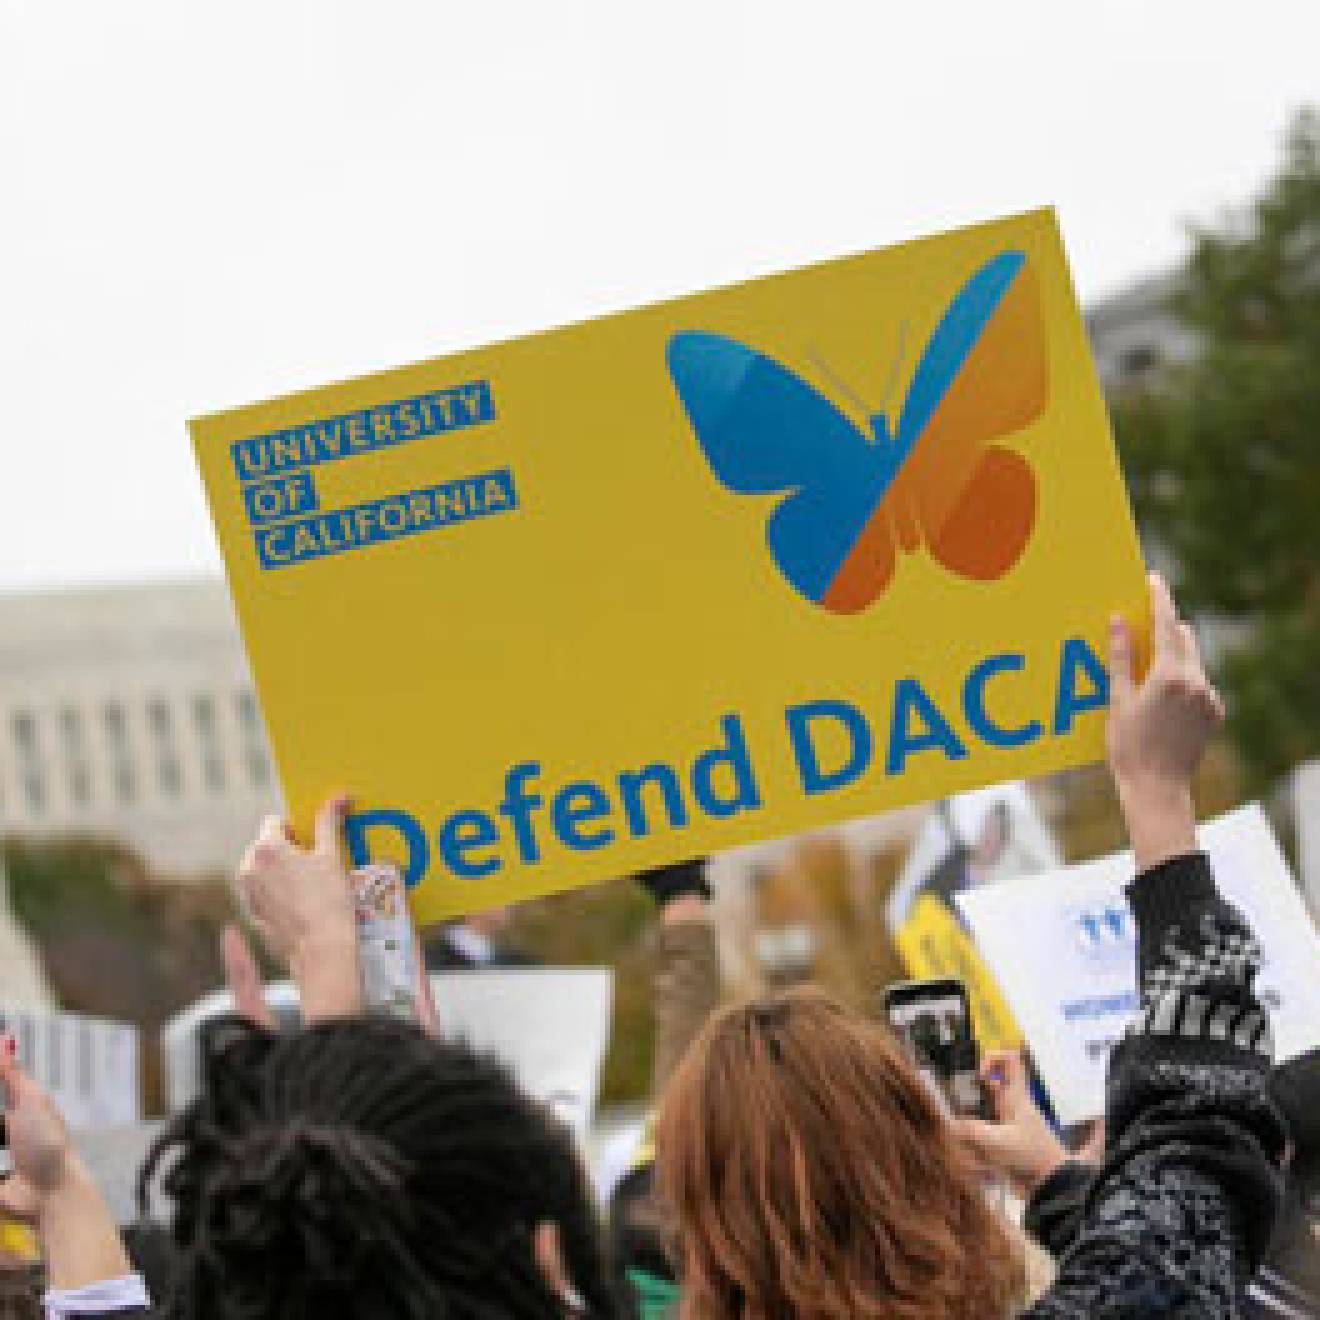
{"x":1158,"y":729}
{"x":301,"y":903}
{"x":290,"y":891}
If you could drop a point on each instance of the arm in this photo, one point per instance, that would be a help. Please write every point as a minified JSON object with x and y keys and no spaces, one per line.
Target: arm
{"x":687,"y":989}
{"x":1176,"y":1220}
{"x":1053,"y":1215}
{"x":686,"y":981}
{"x":84,"y":1255}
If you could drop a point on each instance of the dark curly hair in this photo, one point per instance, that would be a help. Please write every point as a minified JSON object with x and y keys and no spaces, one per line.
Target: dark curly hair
{"x":360,"y":1168}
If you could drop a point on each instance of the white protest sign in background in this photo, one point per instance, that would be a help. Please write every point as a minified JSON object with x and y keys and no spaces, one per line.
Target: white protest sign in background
{"x":1306,"y":804}
{"x":89,"y":1065}
{"x":551,"y":1026}
{"x":1023,"y":844}
{"x":1062,"y":946}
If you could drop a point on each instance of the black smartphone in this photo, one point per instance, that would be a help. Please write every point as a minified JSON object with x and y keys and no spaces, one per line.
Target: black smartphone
{"x":933,"y":1019}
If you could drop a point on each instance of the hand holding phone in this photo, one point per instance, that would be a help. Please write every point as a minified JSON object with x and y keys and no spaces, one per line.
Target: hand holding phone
{"x":1018,"y":1143}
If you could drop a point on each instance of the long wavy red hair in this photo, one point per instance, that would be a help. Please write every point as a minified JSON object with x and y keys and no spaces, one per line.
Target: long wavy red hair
{"x":811,"y":1174}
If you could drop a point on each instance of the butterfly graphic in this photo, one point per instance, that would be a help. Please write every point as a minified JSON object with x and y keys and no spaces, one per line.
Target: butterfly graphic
{"x":855,"y":502}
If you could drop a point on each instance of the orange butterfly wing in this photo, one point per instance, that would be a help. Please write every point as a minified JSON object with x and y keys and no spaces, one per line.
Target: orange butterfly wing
{"x":970,"y":500}
{"x":975,"y":503}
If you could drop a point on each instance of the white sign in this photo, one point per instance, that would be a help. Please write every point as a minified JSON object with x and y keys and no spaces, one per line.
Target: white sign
{"x":89,"y":1065}
{"x":1306,"y":804}
{"x":1063,"y":948}
{"x":1003,"y":830}
{"x":551,"y":1026}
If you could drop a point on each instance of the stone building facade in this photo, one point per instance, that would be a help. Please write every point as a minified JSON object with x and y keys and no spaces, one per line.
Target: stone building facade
{"x":129,"y":713}
{"x":1135,"y":335}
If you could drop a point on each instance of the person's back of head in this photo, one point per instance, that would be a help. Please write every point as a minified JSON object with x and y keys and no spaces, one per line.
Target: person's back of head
{"x":359,"y":1168}
{"x":811,"y":1174}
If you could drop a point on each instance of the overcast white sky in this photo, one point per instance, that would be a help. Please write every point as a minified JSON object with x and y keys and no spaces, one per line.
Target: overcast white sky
{"x":207,"y":203}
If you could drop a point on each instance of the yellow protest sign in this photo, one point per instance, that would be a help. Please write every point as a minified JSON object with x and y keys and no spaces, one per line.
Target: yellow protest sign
{"x":18,"y":1241}
{"x":717,"y":569}
{"x":932,"y":943}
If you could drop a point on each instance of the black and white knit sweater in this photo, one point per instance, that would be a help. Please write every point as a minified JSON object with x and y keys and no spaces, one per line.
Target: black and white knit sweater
{"x":1177,"y":1219}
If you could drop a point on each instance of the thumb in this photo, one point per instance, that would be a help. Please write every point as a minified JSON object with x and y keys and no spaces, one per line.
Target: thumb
{"x":1120,"y":662}
{"x":982,"y":1138}
{"x":1002,"y":1076}
{"x":329,"y":820}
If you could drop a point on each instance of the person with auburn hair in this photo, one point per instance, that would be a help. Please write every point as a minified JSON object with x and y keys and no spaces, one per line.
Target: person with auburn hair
{"x":811,"y":1176}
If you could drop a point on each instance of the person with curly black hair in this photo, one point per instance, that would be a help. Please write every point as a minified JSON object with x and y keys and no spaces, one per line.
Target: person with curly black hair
{"x":354,"y":1168}
{"x":360,"y":1168}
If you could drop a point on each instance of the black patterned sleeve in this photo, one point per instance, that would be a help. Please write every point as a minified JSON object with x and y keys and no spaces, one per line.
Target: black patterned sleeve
{"x":1053,"y":1214}
{"x":1176,"y":1221}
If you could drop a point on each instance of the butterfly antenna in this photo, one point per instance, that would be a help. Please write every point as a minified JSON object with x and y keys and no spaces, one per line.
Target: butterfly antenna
{"x":837,"y":381}
{"x":892,"y":380}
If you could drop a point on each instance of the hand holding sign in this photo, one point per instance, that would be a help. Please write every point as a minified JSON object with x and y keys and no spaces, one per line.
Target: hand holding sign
{"x":301,"y":903}
{"x":598,"y":660}
{"x":1158,"y":731}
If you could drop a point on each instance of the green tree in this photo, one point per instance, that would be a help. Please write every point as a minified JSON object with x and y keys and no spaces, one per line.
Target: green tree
{"x":1224,"y":456}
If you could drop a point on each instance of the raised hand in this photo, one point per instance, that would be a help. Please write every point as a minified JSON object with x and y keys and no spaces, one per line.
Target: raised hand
{"x":1158,"y":730}
{"x":301,"y":903}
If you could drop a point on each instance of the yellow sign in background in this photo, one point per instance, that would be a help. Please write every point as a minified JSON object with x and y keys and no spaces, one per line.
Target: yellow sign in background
{"x":507,"y":601}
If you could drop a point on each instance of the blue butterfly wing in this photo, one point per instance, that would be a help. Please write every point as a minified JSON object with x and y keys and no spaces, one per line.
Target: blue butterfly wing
{"x":955,"y":337}
{"x":761,"y":426}
{"x":813,"y":531}
{"x":763,"y":429}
